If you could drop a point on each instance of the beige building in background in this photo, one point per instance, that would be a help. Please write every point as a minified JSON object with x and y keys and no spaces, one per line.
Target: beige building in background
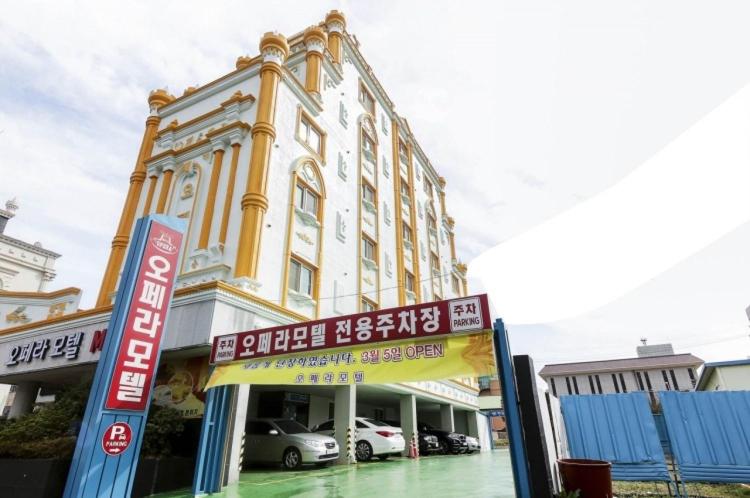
{"x":651,"y":372}
{"x":725,"y":376}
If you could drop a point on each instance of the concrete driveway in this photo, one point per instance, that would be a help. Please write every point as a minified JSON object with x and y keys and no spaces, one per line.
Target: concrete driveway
{"x":480,"y":475}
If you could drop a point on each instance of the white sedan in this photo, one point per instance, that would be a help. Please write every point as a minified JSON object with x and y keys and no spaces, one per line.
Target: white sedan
{"x":372,"y":438}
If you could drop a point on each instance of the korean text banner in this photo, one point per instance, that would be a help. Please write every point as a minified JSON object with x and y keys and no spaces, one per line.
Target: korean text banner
{"x":467,"y":355}
{"x":426,"y":320}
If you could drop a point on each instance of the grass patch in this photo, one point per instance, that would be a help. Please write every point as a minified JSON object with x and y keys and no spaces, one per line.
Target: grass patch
{"x":623,"y":489}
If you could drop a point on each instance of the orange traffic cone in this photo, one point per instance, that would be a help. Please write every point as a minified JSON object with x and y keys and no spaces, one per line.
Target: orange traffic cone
{"x":413,"y":450}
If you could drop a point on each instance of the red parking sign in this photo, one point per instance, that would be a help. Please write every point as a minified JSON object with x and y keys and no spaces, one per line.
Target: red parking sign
{"x":116,"y":438}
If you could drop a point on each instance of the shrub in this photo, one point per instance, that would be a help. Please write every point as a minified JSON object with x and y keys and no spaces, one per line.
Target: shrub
{"x":48,"y":432}
{"x":163,"y":426}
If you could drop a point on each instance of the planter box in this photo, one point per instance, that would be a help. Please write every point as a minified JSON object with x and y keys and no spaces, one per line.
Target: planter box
{"x":33,"y":478}
{"x":157,"y":475}
{"x":45,"y":477}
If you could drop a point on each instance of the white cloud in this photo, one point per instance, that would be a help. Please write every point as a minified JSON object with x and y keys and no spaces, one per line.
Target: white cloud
{"x":575,"y":94}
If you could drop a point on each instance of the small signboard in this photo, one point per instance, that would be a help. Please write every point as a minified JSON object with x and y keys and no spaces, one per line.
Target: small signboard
{"x":420,"y":321}
{"x":116,"y":438}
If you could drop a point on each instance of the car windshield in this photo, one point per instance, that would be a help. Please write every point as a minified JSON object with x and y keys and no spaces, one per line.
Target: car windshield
{"x":378,"y":423}
{"x":291,"y":427}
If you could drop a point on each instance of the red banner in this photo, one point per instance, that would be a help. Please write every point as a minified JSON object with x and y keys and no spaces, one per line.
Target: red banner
{"x":410,"y":322}
{"x":139,"y":350}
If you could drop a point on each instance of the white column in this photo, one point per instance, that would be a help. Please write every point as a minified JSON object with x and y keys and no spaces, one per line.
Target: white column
{"x":446,"y":418}
{"x":237,"y":436}
{"x":472,"y":423}
{"x":24,"y":399}
{"x":344,"y":411}
{"x":408,"y":419}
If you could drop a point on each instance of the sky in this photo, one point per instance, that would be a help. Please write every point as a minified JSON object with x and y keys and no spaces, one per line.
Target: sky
{"x":530,"y":110}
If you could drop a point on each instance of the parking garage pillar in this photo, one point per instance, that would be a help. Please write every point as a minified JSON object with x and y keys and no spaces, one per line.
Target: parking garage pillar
{"x":408,"y":419}
{"x":24,"y":400}
{"x":345,"y":410}
{"x":236,"y":452}
{"x":446,"y":418}
{"x":472,"y":423}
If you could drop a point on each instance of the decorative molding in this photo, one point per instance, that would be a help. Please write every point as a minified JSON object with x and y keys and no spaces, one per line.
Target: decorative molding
{"x":343,"y":114}
{"x":386,"y":168}
{"x":343,"y":167}
{"x":388,"y":265}
{"x":340,"y":227}
{"x":306,"y":218}
{"x":386,"y":214}
{"x":383,"y":124}
{"x":304,"y":238}
{"x":369,"y":206}
{"x":301,"y":299}
{"x":369,"y":264}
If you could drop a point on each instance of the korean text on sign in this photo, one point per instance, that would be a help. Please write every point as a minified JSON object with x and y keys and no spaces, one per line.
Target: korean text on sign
{"x":139,"y":350}
{"x":417,"y":321}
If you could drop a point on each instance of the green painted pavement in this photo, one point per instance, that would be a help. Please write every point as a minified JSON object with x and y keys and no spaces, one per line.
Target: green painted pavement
{"x":483,"y":475}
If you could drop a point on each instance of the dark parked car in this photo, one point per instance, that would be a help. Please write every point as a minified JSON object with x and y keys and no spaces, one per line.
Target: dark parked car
{"x":450,"y":442}
{"x":427,"y":442}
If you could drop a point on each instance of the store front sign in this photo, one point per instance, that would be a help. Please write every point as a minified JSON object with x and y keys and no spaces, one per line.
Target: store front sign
{"x":467,"y":355}
{"x":439,"y":340}
{"x":421,"y":321}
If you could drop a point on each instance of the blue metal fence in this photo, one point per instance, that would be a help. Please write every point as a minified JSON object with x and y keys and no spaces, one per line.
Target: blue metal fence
{"x":618,"y":428}
{"x":709,"y":434}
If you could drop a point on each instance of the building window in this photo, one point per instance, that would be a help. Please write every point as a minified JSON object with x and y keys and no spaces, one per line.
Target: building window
{"x":310,"y":135}
{"x":456,"y":286}
{"x":691,"y":374}
{"x":409,"y":281}
{"x":405,"y":189}
{"x":567,"y":383}
{"x":554,"y":388}
{"x":402,"y":152}
{"x":674,"y":380}
{"x":614,"y":381}
{"x":368,"y":193}
{"x":622,"y":383}
{"x":306,"y":200}
{"x":639,"y":379}
{"x":435,"y":262}
{"x":428,"y":188}
{"x":367,"y":305}
{"x":431,"y":223}
{"x":366,"y":99}
{"x":406,"y":232}
{"x":648,"y":381}
{"x":666,"y":380}
{"x":301,"y":278}
{"x":368,"y":249}
{"x":368,"y":148}
{"x":575,"y":384}
{"x":598,"y":383}
{"x":591,"y":385}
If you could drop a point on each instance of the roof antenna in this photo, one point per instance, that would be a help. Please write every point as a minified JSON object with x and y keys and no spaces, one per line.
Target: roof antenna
{"x":643,"y":340}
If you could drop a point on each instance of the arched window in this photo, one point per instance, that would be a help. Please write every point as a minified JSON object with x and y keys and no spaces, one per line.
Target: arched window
{"x":304,"y":238}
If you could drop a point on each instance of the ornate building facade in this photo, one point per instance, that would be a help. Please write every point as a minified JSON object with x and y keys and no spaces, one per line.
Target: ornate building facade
{"x":306,"y":195}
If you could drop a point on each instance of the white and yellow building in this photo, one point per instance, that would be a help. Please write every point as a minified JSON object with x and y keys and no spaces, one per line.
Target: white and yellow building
{"x":306,"y":196}
{"x":25,"y":271}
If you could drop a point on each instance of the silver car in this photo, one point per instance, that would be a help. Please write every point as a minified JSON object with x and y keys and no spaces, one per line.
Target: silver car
{"x":275,"y":440}
{"x":473,"y":444}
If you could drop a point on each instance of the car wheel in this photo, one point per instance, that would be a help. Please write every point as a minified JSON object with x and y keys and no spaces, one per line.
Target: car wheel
{"x":444,"y":448}
{"x":292,"y":459}
{"x":363,"y":451}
